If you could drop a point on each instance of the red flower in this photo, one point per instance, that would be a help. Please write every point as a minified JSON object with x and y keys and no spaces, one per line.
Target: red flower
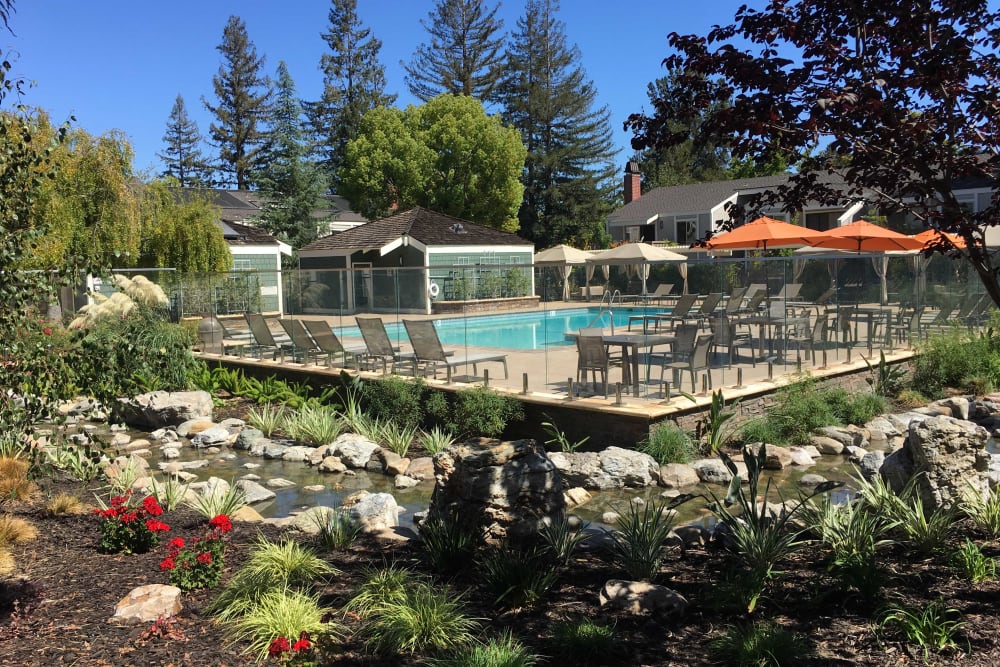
{"x":151,"y":506}
{"x":129,"y":517}
{"x":221,"y":522}
{"x":167,"y":564}
{"x":303,"y":644}
{"x":176,"y":543}
{"x":47,"y":331}
{"x":155,"y":526}
{"x":277,"y":647}
{"x":205,"y":558}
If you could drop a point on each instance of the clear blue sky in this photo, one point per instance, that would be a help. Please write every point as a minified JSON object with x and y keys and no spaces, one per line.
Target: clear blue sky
{"x":119,"y":64}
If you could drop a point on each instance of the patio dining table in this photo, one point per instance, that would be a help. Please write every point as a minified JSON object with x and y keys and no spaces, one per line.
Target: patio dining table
{"x":630,"y":345}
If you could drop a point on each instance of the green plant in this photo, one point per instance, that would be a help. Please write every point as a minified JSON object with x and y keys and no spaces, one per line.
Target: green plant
{"x":449,"y":541}
{"x":216,"y":502}
{"x":429,"y":618}
{"x":911,"y":398}
{"x":759,"y":429}
{"x":798,"y":410}
{"x":718,"y":430}
{"x":953,"y":358}
{"x":279,"y":613}
{"x":584,"y":642}
{"x":560,"y":539}
{"x":983,"y":509}
{"x":760,"y":645}
{"x":130,"y":528}
{"x":352,"y":411}
{"x":858,"y":408}
{"x":381,"y":587}
{"x":200,"y":376}
{"x":395,"y":398}
{"x":973,"y":563}
{"x":337,"y":530}
{"x":503,"y":651}
{"x":928,"y":533}
{"x":122,"y":477}
{"x":637,"y":541}
{"x":933,"y":628}
{"x":435,"y":440}
{"x":758,"y":538}
{"x":284,"y":566}
{"x":198,"y":564}
{"x":398,"y":437}
{"x":884,"y":379}
{"x":82,"y":463}
{"x":170,"y":492}
{"x":63,"y":504}
{"x":516,"y":578}
{"x":315,"y":426}
{"x":266,"y":420}
{"x":483,"y":412}
{"x":559,"y":439}
{"x":669,"y":443}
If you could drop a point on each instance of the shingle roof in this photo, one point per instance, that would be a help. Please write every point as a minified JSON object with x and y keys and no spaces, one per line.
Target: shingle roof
{"x":428,"y":227}
{"x":246,"y":234}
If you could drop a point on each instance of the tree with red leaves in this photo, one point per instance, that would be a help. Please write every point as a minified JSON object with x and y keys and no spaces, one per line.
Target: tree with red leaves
{"x":907,"y":91}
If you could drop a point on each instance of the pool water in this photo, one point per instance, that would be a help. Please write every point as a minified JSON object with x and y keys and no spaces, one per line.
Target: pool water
{"x":516,"y":331}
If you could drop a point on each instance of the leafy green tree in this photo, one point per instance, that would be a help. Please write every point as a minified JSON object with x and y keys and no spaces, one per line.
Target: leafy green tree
{"x":569,"y":174}
{"x":181,"y":231}
{"x":243,"y":95}
{"x":465,"y":54}
{"x":293,"y":184}
{"x":182,"y":157}
{"x":907,"y":89}
{"x":447,"y":155}
{"x":353,"y":83}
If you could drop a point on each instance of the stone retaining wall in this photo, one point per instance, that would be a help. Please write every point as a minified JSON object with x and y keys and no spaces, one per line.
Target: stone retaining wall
{"x":484,"y":305}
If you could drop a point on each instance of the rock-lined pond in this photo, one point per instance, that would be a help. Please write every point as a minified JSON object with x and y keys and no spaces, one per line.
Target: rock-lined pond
{"x":282,"y":479}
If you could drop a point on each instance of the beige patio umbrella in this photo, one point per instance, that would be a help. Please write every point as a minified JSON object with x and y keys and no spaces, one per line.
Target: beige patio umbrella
{"x":562,"y":258}
{"x":642,"y":254}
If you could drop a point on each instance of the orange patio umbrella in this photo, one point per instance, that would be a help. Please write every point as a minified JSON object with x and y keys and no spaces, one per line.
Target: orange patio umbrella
{"x":862,"y":236}
{"x":929,"y":236}
{"x":764,"y":233}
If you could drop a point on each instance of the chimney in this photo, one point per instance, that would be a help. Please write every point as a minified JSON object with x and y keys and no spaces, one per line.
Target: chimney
{"x":633,"y":181}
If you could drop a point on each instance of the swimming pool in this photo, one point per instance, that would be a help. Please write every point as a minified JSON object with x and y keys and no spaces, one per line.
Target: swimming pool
{"x":515,"y":331}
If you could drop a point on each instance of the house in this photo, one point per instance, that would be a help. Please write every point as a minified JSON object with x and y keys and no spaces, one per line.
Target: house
{"x":408,"y":261}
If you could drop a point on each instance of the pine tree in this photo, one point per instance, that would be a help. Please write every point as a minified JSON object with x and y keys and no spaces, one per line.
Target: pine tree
{"x":465,"y":54}
{"x":293,"y":185}
{"x":569,"y":174}
{"x":353,"y":82}
{"x":243,"y":94}
{"x":182,"y":158}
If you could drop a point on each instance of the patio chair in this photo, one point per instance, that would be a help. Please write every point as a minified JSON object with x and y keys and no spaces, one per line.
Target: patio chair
{"x":262,"y":336}
{"x":681,"y":349}
{"x":940,"y":321}
{"x":726,"y":335}
{"x":430,"y":355}
{"x":708,"y":305}
{"x":734,"y":303}
{"x":697,"y":361}
{"x":302,"y":343}
{"x":907,"y":327}
{"x":378,"y":347}
{"x":789,"y":291}
{"x":328,"y":342}
{"x":616,"y":359}
{"x":753,"y":305}
{"x":842,"y":323}
{"x":679,"y":312}
{"x":592,"y":355}
{"x":809,"y":337}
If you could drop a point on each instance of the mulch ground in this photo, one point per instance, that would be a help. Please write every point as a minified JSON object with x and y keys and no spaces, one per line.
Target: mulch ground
{"x":57,"y":611}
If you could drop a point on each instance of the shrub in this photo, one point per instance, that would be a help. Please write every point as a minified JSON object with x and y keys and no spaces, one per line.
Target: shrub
{"x":14,"y":482}
{"x":933,"y":628}
{"x":213,"y":503}
{"x":266,"y":420}
{"x":449,"y":541}
{"x":515,"y":577}
{"x":337,"y":530}
{"x":82,"y":464}
{"x":504,"y":651}
{"x":14,"y":530}
{"x":130,"y":528}
{"x":395,"y":398}
{"x":911,"y":398}
{"x":380,"y":588}
{"x":637,"y":543}
{"x":397,"y":437}
{"x":584,"y":642}
{"x":858,"y":408}
{"x":983,"y":509}
{"x":558,"y":439}
{"x":973,"y":563}
{"x":560,"y":540}
{"x":170,"y":492}
{"x":279,"y":614}
{"x":483,"y":412}
{"x":198,"y":564}
{"x":763,"y":644}
{"x":928,"y":533}
{"x":759,"y":430}
{"x":436,"y":408}
{"x":436,"y":440}
{"x":429,"y":618}
{"x":314,"y":425}
{"x":65,"y":503}
{"x":669,"y":443}
{"x":952,"y":359}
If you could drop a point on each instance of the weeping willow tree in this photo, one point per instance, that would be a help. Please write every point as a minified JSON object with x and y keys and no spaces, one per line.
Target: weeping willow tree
{"x":181,"y":233}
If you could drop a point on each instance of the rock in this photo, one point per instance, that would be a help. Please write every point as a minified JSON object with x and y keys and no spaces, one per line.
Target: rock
{"x":610,"y":518}
{"x":800,"y":457}
{"x":826,"y":445}
{"x":628,"y":468}
{"x":119,"y":440}
{"x":582,"y":469}
{"x":216,"y":486}
{"x":352,"y":499}
{"x":160,"y":408}
{"x":317,"y":455}
{"x":232,"y":424}
{"x":952,"y":456}
{"x":248,"y":437}
{"x":310,"y":520}
{"x":776,"y":458}
{"x":297,"y":453}
{"x":677,"y":475}
{"x":576,"y":496}
{"x":871,"y":463}
{"x":250,"y":476}
{"x":170,"y":452}
{"x":246,"y":514}
{"x":314,"y":488}
{"x":184,"y":476}
{"x":259,"y":447}
{"x":376,"y":512}
{"x":639,"y":597}
{"x":210,"y":437}
{"x":250,"y":466}
{"x":811,"y":480}
{"x":511,"y":487}
{"x":902,"y":420}
{"x":175,"y":466}
{"x":812,"y":451}
{"x":279,"y":483}
{"x":421,"y":468}
{"x":405,"y":482}
{"x":147,"y":603}
{"x":693,"y":535}
{"x":855,"y":454}
{"x":194,"y":427}
{"x":393,"y":463}
{"x":354,"y":450}
{"x":844,"y":436}
{"x":882,"y":425}
{"x":954,"y":406}
{"x":138,"y":465}
{"x":332,"y":464}
{"x":254,"y":492}
{"x":712,"y":471}
{"x":273,"y":450}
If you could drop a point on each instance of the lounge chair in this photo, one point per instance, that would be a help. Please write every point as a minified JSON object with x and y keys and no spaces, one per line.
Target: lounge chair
{"x":262,"y":336}
{"x":302,"y":343}
{"x":328,"y":342}
{"x":430,"y":355}
{"x":661,"y":292}
{"x":378,"y":347}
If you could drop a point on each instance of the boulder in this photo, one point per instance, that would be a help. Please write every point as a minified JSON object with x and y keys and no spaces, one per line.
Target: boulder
{"x":855,"y":454}
{"x":376,"y":512}
{"x":800,"y":457}
{"x":576,"y":496}
{"x":248,"y":437}
{"x":827,"y":445}
{"x":951,"y":454}
{"x":158,"y":409}
{"x":332,"y":464}
{"x":583,"y":469}
{"x":845,"y":436}
{"x":147,"y":603}
{"x":297,"y":453}
{"x":354,"y":450}
{"x":421,"y":468}
{"x":871,"y":463}
{"x":712,"y":471}
{"x":279,"y":483}
{"x":273,"y":450}
{"x":393,"y":463}
{"x":677,"y":475}
{"x":628,"y":468}
{"x":246,"y":514}
{"x":404,"y":482}
{"x":812,"y":480}
{"x":254,"y":492}
{"x":317,"y":455}
{"x":510,"y":487}
{"x":776,"y":458}
{"x":194,"y":427}
{"x":954,"y":406}
{"x":640,"y":597}
{"x":211,"y":437}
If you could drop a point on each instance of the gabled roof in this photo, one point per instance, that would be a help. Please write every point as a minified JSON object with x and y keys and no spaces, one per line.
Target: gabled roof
{"x":239,"y":234}
{"x":428,"y":227}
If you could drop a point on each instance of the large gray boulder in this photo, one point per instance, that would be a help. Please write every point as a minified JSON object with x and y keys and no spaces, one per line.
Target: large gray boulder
{"x":354,"y":450}
{"x":629,"y":468}
{"x":509,"y":488}
{"x":376,"y":512}
{"x":583,"y":469}
{"x":158,"y":409}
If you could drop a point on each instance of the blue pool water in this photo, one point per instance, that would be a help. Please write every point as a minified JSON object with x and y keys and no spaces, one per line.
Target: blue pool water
{"x":515,"y":331}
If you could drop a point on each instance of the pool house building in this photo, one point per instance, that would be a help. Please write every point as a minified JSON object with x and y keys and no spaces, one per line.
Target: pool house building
{"x":412,"y":262}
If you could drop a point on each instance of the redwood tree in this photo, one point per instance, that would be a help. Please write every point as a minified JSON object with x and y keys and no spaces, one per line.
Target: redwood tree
{"x":908,"y":91}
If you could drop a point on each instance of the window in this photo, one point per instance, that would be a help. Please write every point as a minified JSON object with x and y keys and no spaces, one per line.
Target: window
{"x":686,"y":231}
{"x":241,"y":265}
